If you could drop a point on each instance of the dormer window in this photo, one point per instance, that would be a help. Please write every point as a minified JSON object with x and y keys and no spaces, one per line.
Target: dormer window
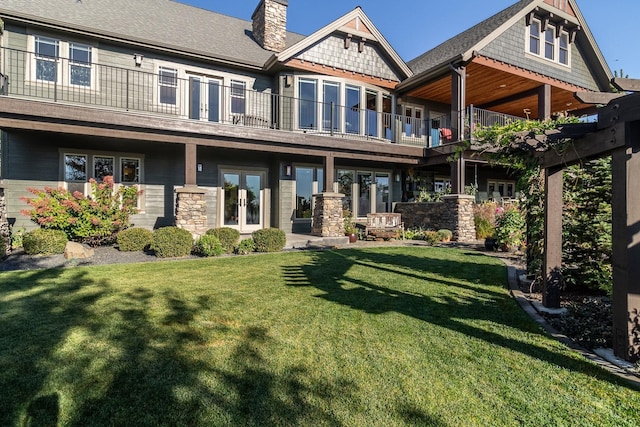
{"x":548,"y":41}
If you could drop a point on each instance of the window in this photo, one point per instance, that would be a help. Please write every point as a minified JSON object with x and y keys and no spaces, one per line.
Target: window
{"x":534,"y":37}
{"x":75,"y":167}
{"x":549,"y":43}
{"x":345,"y":186}
{"x":563,"y":55}
{"x":413,"y":122}
{"x":353,"y":110}
{"x":47,"y":53}
{"x":371,"y":118}
{"x":307,"y":105}
{"x":309,"y":181}
{"x":364,"y":193}
{"x":80,"y":64}
{"x":331,"y":107}
{"x":102,"y":166}
{"x":129,"y":171}
{"x":168,"y":82}
{"x":238,"y":97}
{"x":382,"y":192}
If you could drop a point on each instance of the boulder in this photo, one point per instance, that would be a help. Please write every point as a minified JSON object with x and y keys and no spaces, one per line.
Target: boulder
{"x":76,"y":250}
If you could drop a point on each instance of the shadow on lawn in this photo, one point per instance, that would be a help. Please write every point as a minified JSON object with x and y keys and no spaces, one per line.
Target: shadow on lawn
{"x":445,"y":311}
{"x":85,"y":353}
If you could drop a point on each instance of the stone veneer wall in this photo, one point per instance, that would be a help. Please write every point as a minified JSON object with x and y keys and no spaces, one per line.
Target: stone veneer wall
{"x":454,"y":213}
{"x":327,"y":215}
{"x":5,"y":234}
{"x":191,"y":210}
{"x":270,"y":24}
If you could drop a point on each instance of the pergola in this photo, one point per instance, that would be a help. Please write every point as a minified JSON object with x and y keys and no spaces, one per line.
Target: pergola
{"x":616,"y":133}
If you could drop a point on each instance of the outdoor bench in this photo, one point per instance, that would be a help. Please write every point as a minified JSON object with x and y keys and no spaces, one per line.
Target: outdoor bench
{"x":383,"y":225}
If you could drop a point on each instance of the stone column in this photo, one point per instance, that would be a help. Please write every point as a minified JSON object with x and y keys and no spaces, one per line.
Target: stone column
{"x":5,"y":234}
{"x":460,"y":208}
{"x":327,"y":215}
{"x":191,"y":210}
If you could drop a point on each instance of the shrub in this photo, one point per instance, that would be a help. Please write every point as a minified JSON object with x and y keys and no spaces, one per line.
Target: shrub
{"x":246,"y":246}
{"x":227,"y":236}
{"x":269,"y":240}
{"x":171,"y":242}
{"x":431,"y":237}
{"x":94,"y":220}
{"x":209,"y":245}
{"x":510,"y":228}
{"x":44,"y":242}
{"x":444,"y":235}
{"x":484,"y":218}
{"x":134,"y":239}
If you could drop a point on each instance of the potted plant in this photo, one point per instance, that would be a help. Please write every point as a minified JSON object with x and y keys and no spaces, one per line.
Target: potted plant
{"x":349,"y":227}
{"x":510,"y":229}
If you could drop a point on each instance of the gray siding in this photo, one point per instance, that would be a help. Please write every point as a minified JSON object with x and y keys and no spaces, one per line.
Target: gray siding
{"x":510,"y":48}
{"x":286,"y":190}
{"x":332,"y":53}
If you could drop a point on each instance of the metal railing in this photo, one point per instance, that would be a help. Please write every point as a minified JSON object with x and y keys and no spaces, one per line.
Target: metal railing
{"x":60,"y":80}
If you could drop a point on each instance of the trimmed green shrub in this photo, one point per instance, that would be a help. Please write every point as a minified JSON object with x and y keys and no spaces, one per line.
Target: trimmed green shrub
{"x":209,"y":245}
{"x":171,"y":242}
{"x":431,"y":237}
{"x":227,"y":236}
{"x":269,"y":240}
{"x":246,"y":246}
{"x":444,"y":235}
{"x":44,"y":242}
{"x":134,"y":239}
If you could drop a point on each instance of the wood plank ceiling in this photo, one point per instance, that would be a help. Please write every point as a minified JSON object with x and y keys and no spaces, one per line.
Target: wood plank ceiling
{"x":506,"y":89}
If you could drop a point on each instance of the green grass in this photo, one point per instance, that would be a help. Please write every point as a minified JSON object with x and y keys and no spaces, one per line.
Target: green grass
{"x":370,"y":337}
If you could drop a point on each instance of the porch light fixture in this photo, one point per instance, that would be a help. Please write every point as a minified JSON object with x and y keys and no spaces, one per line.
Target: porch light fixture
{"x":137,"y":58}
{"x":199,"y":167}
{"x":287,"y":170}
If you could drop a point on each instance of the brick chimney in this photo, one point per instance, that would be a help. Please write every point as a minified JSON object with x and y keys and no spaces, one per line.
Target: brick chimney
{"x":270,"y":24}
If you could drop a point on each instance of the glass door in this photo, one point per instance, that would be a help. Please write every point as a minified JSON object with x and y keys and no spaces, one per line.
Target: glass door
{"x":204,"y":98}
{"x":243,"y":200}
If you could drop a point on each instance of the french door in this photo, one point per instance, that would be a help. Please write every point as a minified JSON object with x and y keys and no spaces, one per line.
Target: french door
{"x":243,"y":200}
{"x":205,"y":98}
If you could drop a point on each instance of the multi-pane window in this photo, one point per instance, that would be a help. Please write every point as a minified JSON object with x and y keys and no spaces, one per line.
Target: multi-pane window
{"x":79,"y":64}
{"x":129,"y":170}
{"x":238,"y":97}
{"x":307,"y":105}
{"x":47,"y":53}
{"x":168,"y":82}
{"x":548,"y":42}
{"x":102,"y":166}
{"x":371,"y":118}
{"x":345,"y":186}
{"x":309,"y":181}
{"x":75,"y":167}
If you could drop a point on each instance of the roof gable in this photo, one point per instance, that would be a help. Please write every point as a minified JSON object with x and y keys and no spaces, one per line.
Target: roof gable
{"x":335,"y":48}
{"x":464,"y":46}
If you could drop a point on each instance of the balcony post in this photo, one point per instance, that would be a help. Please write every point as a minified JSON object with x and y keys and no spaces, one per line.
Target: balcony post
{"x":458,"y":89}
{"x":190,"y":151}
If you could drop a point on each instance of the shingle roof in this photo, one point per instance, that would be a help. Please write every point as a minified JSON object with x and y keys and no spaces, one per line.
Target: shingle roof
{"x":162,"y":23}
{"x":464,"y":41}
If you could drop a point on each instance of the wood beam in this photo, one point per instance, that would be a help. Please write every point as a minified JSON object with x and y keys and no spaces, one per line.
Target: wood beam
{"x":597,"y":97}
{"x":626,"y":245}
{"x":509,"y":99}
{"x":552,"y":262}
{"x":544,"y":102}
{"x":328,"y":164}
{"x":624,"y":109}
{"x":458,"y":103}
{"x":190,"y":166}
{"x":626,"y":85}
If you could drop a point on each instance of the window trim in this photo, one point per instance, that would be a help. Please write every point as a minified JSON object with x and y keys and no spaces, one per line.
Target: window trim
{"x":161,"y":84}
{"x":88,"y":65}
{"x":543,"y":42}
{"x":62,"y":60}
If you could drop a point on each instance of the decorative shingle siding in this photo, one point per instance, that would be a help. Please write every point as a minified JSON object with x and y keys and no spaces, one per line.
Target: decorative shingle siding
{"x":332,"y":53}
{"x":510,"y":46}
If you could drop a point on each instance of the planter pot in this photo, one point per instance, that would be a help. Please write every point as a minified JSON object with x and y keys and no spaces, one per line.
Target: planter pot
{"x":353,"y":237}
{"x":490,"y":244}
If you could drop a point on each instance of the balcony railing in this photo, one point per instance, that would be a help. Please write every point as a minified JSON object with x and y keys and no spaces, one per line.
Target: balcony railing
{"x":60,"y":80}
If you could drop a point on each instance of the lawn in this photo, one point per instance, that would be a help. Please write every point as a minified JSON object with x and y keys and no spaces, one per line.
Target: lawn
{"x":366,"y":337}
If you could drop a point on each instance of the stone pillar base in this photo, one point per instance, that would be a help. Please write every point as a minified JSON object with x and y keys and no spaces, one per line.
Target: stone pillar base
{"x":5,"y":232}
{"x":191,"y":210}
{"x":460,"y":207}
{"x":327,"y":215}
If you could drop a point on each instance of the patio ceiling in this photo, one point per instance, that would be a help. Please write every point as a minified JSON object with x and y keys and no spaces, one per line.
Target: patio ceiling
{"x":504,"y":88}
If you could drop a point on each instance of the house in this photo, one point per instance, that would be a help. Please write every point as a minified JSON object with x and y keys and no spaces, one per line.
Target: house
{"x":228,"y":122}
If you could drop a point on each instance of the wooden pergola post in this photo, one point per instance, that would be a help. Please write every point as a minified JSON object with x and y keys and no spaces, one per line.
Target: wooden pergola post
{"x":552,"y":262}
{"x":626,"y":245}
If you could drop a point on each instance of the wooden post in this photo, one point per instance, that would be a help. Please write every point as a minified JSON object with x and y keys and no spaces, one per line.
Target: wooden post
{"x":458,"y":175}
{"x":544,"y":102}
{"x":626,"y":245}
{"x":458,"y":88}
{"x":552,"y":261}
{"x":329,"y":171}
{"x":190,"y":157}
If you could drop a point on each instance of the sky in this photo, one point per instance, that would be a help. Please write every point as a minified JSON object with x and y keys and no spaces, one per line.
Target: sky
{"x":413,"y":27}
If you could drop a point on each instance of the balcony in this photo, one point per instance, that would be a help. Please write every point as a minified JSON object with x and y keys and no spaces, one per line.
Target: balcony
{"x":59,"y":80}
